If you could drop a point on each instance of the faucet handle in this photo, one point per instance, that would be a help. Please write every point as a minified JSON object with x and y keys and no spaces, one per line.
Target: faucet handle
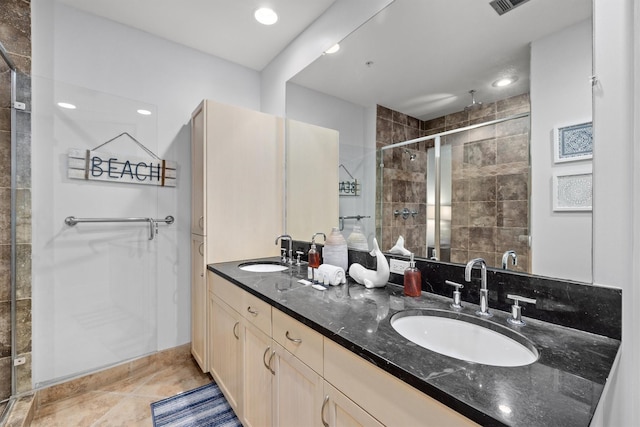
{"x":299,"y":253}
{"x":516,"y":310}
{"x":284,"y":254}
{"x":456,"y":293}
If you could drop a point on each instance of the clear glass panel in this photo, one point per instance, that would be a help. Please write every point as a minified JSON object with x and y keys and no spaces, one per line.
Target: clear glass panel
{"x":97,"y":306}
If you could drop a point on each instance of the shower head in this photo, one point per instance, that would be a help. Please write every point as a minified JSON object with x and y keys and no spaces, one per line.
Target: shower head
{"x":412,"y":156}
{"x":473,"y":104}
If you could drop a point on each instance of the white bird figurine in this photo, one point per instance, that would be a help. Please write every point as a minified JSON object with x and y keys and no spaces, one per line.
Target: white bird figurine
{"x":371,"y":278}
{"x":399,"y":248}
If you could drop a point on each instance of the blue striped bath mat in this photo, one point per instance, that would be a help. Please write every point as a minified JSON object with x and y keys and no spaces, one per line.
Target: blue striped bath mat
{"x":204,"y":406}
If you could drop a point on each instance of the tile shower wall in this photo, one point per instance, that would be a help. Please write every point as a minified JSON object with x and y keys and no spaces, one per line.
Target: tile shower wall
{"x":15,"y":35}
{"x":490,"y":181}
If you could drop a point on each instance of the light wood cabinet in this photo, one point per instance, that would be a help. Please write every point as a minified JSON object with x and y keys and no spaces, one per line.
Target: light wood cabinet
{"x":371,"y":388}
{"x":257,"y":377}
{"x":274,"y":370}
{"x":241,"y":350}
{"x":300,"y":340}
{"x":340,"y":411}
{"x":226,"y":350}
{"x":198,"y":182}
{"x":232,"y":149}
{"x":199,"y":310}
{"x":297,"y":392}
{"x":312,"y":175}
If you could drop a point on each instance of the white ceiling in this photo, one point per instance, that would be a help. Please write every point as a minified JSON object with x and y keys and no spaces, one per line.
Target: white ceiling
{"x":426,"y":55}
{"x":223,"y":28}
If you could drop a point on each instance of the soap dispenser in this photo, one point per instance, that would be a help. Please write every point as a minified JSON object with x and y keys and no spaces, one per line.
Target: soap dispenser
{"x":314,"y":256}
{"x":412,"y":279}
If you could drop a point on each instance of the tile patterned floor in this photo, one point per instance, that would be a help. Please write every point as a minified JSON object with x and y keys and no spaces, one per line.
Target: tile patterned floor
{"x":124,"y":403}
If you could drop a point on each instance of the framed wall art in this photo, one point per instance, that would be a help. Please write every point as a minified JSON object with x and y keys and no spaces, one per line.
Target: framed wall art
{"x":573,"y":142}
{"x":572,"y":190}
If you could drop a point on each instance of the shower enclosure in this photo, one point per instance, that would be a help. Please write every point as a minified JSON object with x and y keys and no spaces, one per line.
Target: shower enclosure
{"x":461,"y":193}
{"x":11,"y":346}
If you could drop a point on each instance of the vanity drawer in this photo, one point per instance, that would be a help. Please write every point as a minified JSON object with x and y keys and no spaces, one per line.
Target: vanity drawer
{"x":227,"y":292}
{"x":300,"y":340}
{"x":256,"y":312}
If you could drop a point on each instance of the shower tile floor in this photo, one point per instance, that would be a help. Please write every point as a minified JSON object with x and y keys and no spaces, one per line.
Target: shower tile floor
{"x":123,"y":403}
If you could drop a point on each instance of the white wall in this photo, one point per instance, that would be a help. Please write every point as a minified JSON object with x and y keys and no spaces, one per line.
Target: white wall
{"x":99,"y":58}
{"x":560,"y":95}
{"x":357,"y":152}
{"x":616,"y":218}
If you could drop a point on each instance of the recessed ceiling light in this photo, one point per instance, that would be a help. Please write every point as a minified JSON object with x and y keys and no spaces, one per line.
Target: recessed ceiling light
{"x":266,"y":16}
{"x":504,"y":81}
{"x":333,"y":49}
{"x":66,"y":105}
{"x":144,"y":112}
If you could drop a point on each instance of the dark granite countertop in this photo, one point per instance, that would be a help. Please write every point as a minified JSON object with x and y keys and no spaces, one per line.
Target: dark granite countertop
{"x":562,"y":387}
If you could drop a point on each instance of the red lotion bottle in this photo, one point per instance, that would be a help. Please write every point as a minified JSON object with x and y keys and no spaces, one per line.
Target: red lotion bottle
{"x":314,"y":256}
{"x":412,"y":280}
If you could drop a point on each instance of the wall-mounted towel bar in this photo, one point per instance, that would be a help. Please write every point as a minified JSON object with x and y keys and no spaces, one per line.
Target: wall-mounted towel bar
{"x":153,"y":223}
{"x":358,"y":217}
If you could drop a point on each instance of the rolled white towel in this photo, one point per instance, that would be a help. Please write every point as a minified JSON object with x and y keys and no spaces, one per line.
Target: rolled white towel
{"x":335,"y":274}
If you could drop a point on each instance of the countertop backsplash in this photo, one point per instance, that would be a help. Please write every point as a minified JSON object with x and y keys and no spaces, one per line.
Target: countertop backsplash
{"x":577,"y":305}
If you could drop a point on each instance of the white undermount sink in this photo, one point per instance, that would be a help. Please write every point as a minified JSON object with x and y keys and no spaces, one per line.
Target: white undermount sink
{"x":262,"y":267}
{"x":464,"y":337}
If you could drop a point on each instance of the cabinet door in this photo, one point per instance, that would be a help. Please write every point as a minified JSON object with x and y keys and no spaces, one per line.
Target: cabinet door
{"x":198,"y":303}
{"x":257,"y":376}
{"x":370,"y":387}
{"x":297,"y":392}
{"x":226,"y":350}
{"x":339,"y":411}
{"x":198,"y":184}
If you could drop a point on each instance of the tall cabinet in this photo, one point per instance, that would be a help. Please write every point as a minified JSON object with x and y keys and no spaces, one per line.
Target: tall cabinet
{"x":237,"y":197}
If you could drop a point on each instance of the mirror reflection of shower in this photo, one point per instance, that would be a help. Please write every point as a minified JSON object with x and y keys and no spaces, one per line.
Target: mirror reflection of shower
{"x":412,"y":156}
{"x":474,"y":104}
{"x":443,"y":253}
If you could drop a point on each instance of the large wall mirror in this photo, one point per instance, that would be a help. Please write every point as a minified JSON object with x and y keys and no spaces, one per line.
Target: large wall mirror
{"x":511,"y":167}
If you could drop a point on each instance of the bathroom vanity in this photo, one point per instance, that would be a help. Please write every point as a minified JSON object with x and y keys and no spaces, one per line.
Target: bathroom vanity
{"x":285,"y":353}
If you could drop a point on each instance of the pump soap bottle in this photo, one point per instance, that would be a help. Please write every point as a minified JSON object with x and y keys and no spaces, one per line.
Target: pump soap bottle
{"x":412,"y":279}
{"x":314,"y":256}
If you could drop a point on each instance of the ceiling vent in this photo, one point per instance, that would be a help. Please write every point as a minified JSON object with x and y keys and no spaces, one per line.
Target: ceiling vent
{"x":504,"y":6}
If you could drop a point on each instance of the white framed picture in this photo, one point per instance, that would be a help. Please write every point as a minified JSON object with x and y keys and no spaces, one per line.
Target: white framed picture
{"x":572,"y":189}
{"x":573,"y":142}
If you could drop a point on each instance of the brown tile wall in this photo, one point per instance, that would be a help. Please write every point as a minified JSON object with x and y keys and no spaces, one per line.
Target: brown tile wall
{"x":490,"y":182}
{"x":15,"y":35}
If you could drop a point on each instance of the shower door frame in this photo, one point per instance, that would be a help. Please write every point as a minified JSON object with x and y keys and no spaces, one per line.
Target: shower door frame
{"x":438,"y":179}
{"x":13,"y":255}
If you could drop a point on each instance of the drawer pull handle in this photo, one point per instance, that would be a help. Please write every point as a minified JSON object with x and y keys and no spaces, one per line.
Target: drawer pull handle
{"x":235,"y":334}
{"x":201,"y":223}
{"x":252,"y":311}
{"x":324,"y":405}
{"x":295,"y":340}
{"x":264,"y":360}
{"x":273,"y":353}
{"x":201,"y":249}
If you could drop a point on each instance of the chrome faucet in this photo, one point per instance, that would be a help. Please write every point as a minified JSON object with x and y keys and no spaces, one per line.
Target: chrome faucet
{"x":505,"y":258}
{"x":484,"y":292}
{"x":287,"y":237}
